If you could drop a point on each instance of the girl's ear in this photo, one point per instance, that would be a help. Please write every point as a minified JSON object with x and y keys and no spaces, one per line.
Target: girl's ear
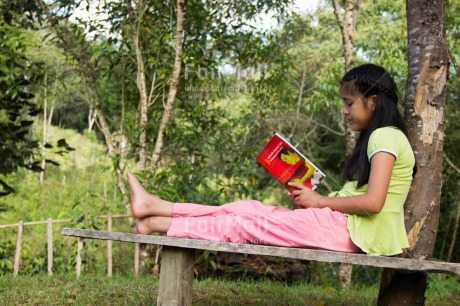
{"x":372,"y":100}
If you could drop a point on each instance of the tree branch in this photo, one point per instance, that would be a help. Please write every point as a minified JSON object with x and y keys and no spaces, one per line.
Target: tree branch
{"x":173,"y":87}
{"x":449,"y":161}
{"x":337,"y":13}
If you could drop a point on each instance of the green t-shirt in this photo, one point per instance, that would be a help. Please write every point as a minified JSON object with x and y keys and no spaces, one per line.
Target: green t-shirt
{"x":384,"y":233}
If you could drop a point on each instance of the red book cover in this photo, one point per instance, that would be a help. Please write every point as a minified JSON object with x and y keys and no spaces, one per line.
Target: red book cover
{"x":287,"y":164}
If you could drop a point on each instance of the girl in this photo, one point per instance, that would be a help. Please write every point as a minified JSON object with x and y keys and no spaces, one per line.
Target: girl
{"x":365,"y":216}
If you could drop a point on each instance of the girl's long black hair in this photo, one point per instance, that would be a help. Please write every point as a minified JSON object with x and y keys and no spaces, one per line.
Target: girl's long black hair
{"x":367,"y":80}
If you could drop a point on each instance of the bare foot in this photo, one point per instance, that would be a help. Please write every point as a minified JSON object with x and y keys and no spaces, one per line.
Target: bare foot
{"x":142,"y":226}
{"x":140,"y":198}
{"x":144,"y":204}
{"x":148,"y":225}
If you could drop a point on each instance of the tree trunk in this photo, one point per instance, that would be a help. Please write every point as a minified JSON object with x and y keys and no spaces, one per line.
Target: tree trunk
{"x":173,"y":87}
{"x":103,"y":125}
{"x":424,"y":116}
{"x":457,"y":217}
{"x":454,"y":232}
{"x":141,"y":81}
{"x":400,"y":288}
{"x":142,"y":86}
{"x":47,"y":117}
{"x":45,"y":102}
{"x":347,"y":23}
{"x":91,"y":118}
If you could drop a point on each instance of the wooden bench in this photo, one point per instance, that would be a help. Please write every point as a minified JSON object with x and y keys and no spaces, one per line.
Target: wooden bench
{"x":178,"y":258}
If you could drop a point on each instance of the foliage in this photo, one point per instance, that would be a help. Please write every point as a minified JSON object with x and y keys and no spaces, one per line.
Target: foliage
{"x":81,"y":189}
{"x":19,"y":79}
{"x":23,"y":13}
{"x":7,"y":249}
{"x":17,"y":148}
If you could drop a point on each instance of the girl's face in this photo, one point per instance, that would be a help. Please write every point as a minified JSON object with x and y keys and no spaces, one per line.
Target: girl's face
{"x":357,"y":109}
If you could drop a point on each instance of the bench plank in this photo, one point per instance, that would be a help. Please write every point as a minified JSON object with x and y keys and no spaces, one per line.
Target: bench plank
{"x":297,"y":253}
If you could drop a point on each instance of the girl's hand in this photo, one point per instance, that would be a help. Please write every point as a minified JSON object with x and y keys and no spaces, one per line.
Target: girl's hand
{"x":304,"y":196}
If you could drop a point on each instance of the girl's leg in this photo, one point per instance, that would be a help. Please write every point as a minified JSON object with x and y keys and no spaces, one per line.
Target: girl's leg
{"x":144,"y":204}
{"x":309,"y":228}
{"x":149,"y":225}
{"x":316,"y":228}
{"x":206,"y":219}
{"x":238,"y":207}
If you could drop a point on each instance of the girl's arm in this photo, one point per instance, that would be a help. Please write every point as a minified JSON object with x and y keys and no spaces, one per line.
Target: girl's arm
{"x":369,"y":203}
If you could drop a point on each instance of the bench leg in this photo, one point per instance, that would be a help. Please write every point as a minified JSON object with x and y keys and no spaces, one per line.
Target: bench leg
{"x":176,"y":276}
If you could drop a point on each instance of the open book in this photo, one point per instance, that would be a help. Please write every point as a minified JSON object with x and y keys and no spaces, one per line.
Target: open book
{"x":287,"y":164}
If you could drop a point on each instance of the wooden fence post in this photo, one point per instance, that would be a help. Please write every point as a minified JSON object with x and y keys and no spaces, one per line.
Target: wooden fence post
{"x":109,"y":246}
{"x":17,"y":253}
{"x":50,"y":246}
{"x":49,"y":222}
{"x":136,"y":258}
{"x":79,"y":247}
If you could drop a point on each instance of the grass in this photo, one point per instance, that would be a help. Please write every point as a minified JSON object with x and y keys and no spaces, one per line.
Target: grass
{"x":218,"y":292}
{"x":126,"y":290}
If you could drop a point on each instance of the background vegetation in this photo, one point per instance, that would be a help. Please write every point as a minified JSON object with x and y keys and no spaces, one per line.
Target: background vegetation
{"x":239,"y":83}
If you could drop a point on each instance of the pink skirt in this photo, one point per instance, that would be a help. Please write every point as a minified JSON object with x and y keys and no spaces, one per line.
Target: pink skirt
{"x":250,"y":221}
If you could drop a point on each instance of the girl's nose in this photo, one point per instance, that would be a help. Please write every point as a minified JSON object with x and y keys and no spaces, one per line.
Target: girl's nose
{"x":344,"y":110}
